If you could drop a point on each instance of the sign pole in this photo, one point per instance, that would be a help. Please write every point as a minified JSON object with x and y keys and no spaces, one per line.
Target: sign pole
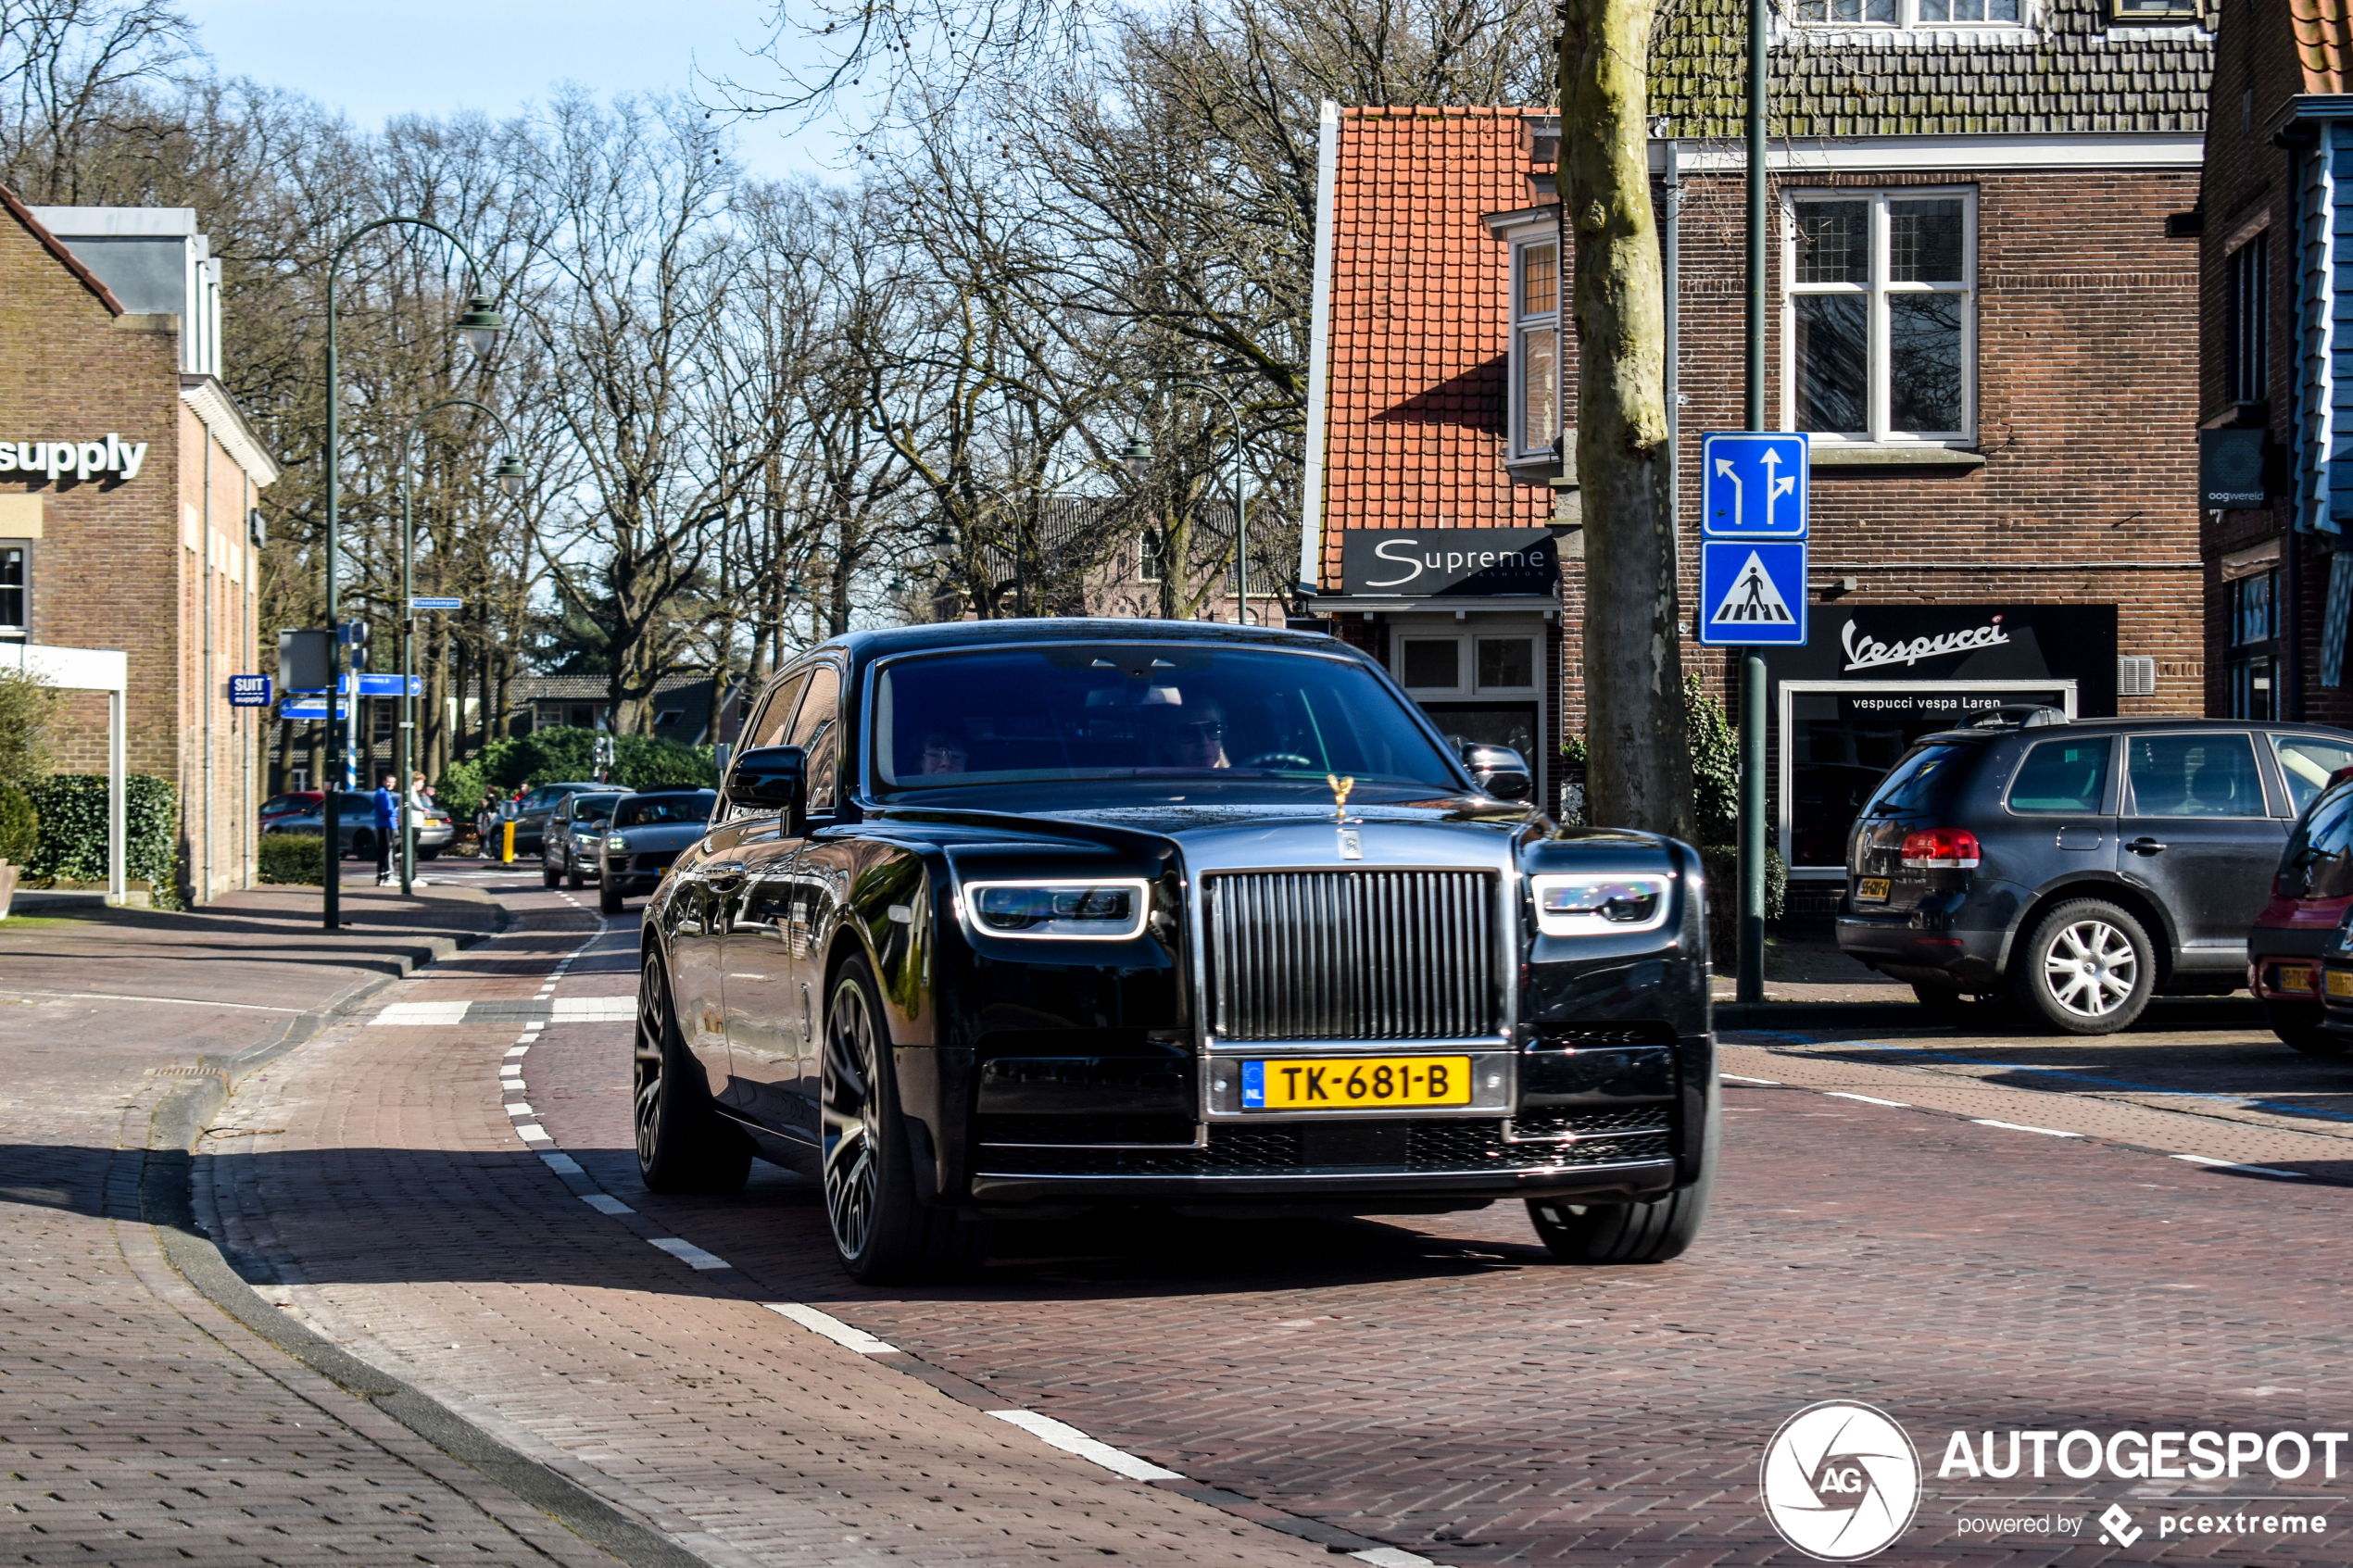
{"x":1751,"y":987}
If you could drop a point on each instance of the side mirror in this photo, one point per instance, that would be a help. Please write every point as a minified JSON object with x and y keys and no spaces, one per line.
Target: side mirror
{"x":1498,"y":771}
{"x":767,"y":778}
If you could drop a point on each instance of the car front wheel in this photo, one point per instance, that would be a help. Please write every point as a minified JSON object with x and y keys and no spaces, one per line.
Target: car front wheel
{"x":1654,"y":1232}
{"x":607,"y":897}
{"x":572,"y":874}
{"x":682,"y":1143}
{"x":2088,"y":968}
{"x":882,"y":1232}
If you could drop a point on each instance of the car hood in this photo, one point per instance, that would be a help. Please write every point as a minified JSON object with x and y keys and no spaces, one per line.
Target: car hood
{"x":669,"y":836}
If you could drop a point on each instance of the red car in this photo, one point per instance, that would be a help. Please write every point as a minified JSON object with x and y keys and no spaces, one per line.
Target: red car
{"x":2310,"y":896}
{"x":293,"y":803}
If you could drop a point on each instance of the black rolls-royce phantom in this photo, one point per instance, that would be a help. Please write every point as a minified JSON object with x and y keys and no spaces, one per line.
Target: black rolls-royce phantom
{"x":1033,"y":917}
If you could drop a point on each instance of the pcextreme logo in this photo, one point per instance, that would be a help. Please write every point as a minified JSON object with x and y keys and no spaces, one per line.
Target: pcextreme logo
{"x":1840,"y":1481}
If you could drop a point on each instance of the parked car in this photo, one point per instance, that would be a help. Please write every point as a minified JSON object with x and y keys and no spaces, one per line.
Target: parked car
{"x":293,"y":803}
{"x":2080,"y":868}
{"x":573,"y":841}
{"x":1030,"y":917}
{"x":533,"y":811}
{"x":354,"y":822}
{"x":644,"y":834}
{"x":2311,"y":897}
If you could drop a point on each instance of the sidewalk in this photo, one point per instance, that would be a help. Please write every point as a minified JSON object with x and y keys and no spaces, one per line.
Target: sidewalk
{"x":142,"y":1424}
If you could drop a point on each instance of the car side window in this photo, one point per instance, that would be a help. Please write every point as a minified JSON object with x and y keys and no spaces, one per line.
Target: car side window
{"x":774,"y":722}
{"x":2195,"y":775}
{"x":2062,"y":775}
{"x":815,"y":729}
{"x":2306,"y":763}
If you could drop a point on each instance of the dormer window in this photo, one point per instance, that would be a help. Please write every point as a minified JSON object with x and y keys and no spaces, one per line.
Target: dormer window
{"x":1535,"y":414}
{"x":1910,"y":13}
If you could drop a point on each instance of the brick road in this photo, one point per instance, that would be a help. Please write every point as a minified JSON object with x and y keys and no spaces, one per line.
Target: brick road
{"x":1434,"y":1383}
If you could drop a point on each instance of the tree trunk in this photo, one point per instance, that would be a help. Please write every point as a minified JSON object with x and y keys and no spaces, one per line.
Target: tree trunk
{"x":1639,"y":773}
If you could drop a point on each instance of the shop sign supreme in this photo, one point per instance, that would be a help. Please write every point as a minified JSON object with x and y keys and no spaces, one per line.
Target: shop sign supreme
{"x":84,"y":459}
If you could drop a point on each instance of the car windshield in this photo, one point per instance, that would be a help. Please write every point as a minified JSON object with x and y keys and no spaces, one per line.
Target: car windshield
{"x":648,"y":810}
{"x":1918,"y":783}
{"x":1138,"y":711}
{"x":592,"y":807}
{"x":277,"y":802}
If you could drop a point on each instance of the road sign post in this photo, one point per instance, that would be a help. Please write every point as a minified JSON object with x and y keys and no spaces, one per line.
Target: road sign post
{"x":1753,"y":525}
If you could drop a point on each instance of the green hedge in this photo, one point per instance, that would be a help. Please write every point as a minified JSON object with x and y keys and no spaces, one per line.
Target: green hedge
{"x":555,"y":755}
{"x":292,"y":857}
{"x":72,"y":846}
{"x":20,"y":825}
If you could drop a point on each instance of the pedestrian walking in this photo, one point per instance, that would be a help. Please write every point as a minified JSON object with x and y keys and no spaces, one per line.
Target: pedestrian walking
{"x":388,"y":810}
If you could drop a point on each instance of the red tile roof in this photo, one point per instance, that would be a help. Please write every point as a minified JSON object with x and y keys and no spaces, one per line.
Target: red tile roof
{"x":2323,"y":42}
{"x":1414,"y":399}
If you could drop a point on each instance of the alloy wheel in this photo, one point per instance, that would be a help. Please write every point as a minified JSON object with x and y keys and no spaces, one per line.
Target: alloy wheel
{"x":2090,"y":968}
{"x":850,"y":1115}
{"x":652,"y":1032}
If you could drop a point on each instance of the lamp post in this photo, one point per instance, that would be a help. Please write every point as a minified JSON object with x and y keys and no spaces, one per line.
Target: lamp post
{"x":1241,"y":515}
{"x":478,"y":327}
{"x":509,"y":475}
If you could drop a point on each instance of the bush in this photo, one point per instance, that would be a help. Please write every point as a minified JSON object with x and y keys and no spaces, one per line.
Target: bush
{"x":72,"y":846}
{"x":293,"y":856}
{"x":1716,"y":764}
{"x":1721,"y":863}
{"x":555,"y":755}
{"x":26,"y":705}
{"x":20,"y":825}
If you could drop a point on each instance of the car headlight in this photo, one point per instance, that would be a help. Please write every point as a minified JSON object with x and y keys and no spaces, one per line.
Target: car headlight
{"x":616,"y":841}
{"x":1595,"y":905}
{"x":1097,"y":910}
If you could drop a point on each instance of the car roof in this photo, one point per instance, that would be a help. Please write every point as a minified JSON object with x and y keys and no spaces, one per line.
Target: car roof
{"x":2119,"y":726}
{"x":677,"y":789}
{"x":1074,"y":629}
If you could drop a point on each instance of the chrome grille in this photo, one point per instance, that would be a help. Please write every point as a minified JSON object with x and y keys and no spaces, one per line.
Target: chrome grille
{"x":1352,"y":955}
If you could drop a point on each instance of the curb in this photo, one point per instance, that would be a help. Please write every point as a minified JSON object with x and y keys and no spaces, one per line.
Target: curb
{"x":164,"y":1203}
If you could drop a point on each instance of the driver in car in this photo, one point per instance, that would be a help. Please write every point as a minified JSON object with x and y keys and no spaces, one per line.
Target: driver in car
{"x":942,"y":753}
{"x":1199,"y":737}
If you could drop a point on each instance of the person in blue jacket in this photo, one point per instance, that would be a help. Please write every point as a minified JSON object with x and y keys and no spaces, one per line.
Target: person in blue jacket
{"x":387,"y":828}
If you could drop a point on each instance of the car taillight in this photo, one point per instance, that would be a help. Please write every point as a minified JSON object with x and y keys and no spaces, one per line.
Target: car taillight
{"x":1939,"y":849}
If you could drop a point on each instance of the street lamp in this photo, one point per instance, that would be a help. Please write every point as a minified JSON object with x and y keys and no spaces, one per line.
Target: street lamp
{"x":510,"y":475}
{"x":1136,"y":458}
{"x":479,"y":328}
{"x":1241,"y":514}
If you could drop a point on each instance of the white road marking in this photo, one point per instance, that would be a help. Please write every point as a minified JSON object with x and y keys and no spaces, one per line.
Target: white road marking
{"x":423,"y":1013}
{"x":1731,"y":1077}
{"x":179,"y":1001}
{"x":606,"y":1203}
{"x":1393,"y":1557}
{"x":561,"y":1163}
{"x":2213,"y":1164}
{"x":1867,"y":1099}
{"x":596,"y":1010}
{"x":520,"y":1110}
{"x":689,"y":1254}
{"x":517,"y":1051}
{"x":1068,"y":1438}
{"x":533,"y":1133}
{"x":833,"y":1328}
{"x":2022,"y":1128}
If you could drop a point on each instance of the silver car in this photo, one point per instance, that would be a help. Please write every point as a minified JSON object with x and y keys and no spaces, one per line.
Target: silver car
{"x":646,"y":834}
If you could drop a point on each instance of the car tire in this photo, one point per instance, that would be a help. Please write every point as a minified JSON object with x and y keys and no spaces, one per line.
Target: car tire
{"x":571,"y":875}
{"x":548,"y":875}
{"x":1653,"y":1232}
{"x":883,"y":1233}
{"x":363,"y":845}
{"x":428,"y":854}
{"x":682,"y":1143}
{"x":2298,"y":1026}
{"x":2087,"y":968}
{"x":609,"y":900}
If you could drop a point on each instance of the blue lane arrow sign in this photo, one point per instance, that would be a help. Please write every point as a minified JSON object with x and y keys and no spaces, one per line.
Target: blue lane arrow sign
{"x":1752,"y":594}
{"x":1752,"y":484}
{"x":437,"y":604}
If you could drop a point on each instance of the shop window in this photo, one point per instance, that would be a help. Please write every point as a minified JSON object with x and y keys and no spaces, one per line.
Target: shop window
{"x":2247,"y":321}
{"x":1433,"y":663}
{"x":1536,"y":349}
{"x":1879,"y":315}
{"x":15,"y":593}
{"x":1910,"y":13}
{"x":1507,"y":663}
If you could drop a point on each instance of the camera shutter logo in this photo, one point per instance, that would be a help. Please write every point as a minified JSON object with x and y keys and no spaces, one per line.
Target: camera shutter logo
{"x":1840,"y":1481}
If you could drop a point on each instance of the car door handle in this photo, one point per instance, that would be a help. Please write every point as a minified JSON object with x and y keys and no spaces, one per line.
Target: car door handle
{"x":725,"y":877}
{"x":2144,"y":845}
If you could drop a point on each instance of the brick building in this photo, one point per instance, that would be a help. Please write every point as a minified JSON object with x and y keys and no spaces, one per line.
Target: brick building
{"x":2275,"y":362}
{"x":139,"y":540}
{"x":1982,"y":296}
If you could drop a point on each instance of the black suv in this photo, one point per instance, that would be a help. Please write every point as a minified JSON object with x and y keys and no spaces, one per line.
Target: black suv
{"x":2078,"y":867}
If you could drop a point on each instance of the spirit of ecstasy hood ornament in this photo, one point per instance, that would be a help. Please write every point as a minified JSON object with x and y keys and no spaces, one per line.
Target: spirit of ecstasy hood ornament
{"x":1340,"y":794}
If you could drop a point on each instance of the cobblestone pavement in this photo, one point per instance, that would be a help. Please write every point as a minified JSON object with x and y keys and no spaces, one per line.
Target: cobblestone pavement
{"x":1943,"y":1250}
{"x":138,"y":1423}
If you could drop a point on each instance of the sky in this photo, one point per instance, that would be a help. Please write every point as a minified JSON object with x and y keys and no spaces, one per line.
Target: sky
{"x":375,"y":58}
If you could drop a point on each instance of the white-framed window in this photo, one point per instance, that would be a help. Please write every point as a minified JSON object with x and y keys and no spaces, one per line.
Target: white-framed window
{"x":1535,"y":412}
{"x":1911,"y":12}
{"x":1879,"y":315}
{"x":1480,"y":663}
{"x":1148,"y":556}
{"x":16,"y":591}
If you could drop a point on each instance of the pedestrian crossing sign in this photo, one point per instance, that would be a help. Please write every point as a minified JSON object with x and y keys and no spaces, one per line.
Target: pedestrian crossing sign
{"x":1751,"y":593}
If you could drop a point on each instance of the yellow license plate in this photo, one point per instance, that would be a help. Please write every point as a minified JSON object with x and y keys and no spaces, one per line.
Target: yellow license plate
{"x":2296,"y":979}
{"x":1353,"y":1083}
{"x":1871,"y":890}
{"x":2340,"y":984}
